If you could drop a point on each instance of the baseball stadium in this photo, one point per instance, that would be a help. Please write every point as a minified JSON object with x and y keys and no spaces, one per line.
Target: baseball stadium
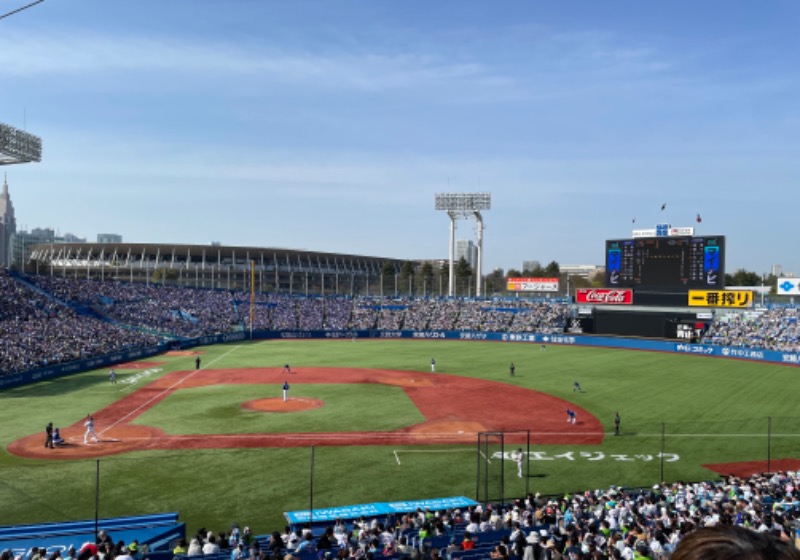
{"x":180,"y":355}
{"x":161,"y":401}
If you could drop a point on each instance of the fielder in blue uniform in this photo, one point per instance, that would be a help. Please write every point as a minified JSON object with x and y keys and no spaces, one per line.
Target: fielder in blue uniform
{"x":572,"y":417}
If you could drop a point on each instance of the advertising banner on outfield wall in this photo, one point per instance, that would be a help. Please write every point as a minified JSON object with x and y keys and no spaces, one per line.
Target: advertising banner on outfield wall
{"x":604,"y":296}
{"x":788,"y":287}
{"x":532,"y":285}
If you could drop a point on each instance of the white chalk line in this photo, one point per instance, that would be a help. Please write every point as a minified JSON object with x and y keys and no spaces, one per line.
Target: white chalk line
{"x":398,"y":451}
{"x":166,"y":390}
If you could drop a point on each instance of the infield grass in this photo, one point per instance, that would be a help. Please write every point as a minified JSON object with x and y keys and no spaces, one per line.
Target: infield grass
{"x":217,"y":409}
{"x":696,"y":410}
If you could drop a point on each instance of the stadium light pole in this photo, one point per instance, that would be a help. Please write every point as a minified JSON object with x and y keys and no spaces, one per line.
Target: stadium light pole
{"x":18,"y":146}
{"x":464,"y":205}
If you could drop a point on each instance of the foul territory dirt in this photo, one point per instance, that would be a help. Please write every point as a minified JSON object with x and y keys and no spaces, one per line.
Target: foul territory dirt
{"x":455,"y":409}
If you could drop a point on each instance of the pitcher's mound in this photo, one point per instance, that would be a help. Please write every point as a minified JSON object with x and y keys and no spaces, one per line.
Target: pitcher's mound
{"x":278,"y":404}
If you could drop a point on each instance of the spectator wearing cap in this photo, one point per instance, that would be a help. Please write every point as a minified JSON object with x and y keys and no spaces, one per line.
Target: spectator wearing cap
{"x":533,"y":549}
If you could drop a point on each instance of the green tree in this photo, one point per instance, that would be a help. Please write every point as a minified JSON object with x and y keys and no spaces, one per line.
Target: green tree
{"x":407,"y":276}
{"x":463,"y":272}
{"x":463,"y":269}
{"x":535,"y":272}
{"x":426,"y":277}
{"x":552,"y":270}
{"x":597,"y":280}
{"x":496,"y":282}
{"x":163,"y":275}
{"x":743,"y":277}
{"x":388,"y":278}
{"x":442,"y":279}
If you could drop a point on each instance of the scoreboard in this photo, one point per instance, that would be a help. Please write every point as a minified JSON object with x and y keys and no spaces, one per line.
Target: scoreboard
{"x":666,"y":263}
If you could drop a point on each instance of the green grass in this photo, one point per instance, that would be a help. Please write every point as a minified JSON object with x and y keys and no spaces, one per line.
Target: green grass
{"x":217,"y":409}
{"x":710,"y":411}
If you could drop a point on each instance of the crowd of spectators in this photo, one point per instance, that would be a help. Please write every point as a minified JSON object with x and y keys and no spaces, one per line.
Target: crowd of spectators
{"x":38,"y":331}
{"x":756,"y":517}
{"x":517,"y":315}
{"x":52,"y":319}
{"x":773,"y":329}
{"x":753,"y":517}
{"x":168,"y":310}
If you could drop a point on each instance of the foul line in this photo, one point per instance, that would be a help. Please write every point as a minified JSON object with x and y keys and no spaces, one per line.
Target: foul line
{"x":398,"y":451}
{"x":166,"y":390}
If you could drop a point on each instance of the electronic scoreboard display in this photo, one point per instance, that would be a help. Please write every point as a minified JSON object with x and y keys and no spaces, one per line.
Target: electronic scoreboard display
{"x":671,"y":263}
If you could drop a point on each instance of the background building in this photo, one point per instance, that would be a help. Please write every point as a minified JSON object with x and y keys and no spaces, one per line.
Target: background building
{"x":581,"y":270}
{"x":109,"y":238}
{"x":531,"y":265}
{"x":8,"y":225}
{"x":468,"y":250}
{"x":23,"y":242}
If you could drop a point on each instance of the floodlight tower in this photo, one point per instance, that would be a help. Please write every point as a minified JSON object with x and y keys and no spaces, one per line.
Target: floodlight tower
{"x":464,"y":205}
{"x":18,"y":146}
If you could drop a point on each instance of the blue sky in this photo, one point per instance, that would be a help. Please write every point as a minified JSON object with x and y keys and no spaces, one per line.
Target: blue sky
{"x":331,"y":125}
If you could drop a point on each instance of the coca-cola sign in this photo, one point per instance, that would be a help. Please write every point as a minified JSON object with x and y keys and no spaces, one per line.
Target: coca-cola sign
{"x":604,"y":296}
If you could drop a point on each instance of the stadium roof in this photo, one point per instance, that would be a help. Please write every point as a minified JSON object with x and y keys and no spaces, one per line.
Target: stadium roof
{"x":82,"y":254}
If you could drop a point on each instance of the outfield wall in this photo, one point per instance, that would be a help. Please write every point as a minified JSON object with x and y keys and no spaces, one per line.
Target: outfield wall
{"x":754,"y":354}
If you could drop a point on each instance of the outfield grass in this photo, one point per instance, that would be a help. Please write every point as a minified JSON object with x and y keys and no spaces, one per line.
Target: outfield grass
{"x":709,"y":411}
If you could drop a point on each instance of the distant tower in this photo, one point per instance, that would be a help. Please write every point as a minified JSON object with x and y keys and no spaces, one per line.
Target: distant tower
{"x":8,"y":225}
{"x":467,"y":249}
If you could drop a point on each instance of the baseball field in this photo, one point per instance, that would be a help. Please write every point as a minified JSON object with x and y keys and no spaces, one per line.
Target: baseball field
{"x":367,"y":421}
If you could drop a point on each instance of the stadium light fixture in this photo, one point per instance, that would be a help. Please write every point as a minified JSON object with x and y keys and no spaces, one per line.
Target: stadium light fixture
{"x":18,"y":146}
{"x":464,"y":205}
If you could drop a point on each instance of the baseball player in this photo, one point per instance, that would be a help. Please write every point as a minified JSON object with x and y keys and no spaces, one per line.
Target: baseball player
{"x":572,"y":417}
{"x":89,"y":425}
{"x":519,"y":462}
{"x":433,"y":365}
{"x":285,"y":391}
{"x":512,"y":369}
{"x":112,"y":376}
{"x":286,"y":369}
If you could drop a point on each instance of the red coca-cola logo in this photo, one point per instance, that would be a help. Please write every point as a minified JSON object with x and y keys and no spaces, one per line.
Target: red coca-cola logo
{"x":604,"y":296}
